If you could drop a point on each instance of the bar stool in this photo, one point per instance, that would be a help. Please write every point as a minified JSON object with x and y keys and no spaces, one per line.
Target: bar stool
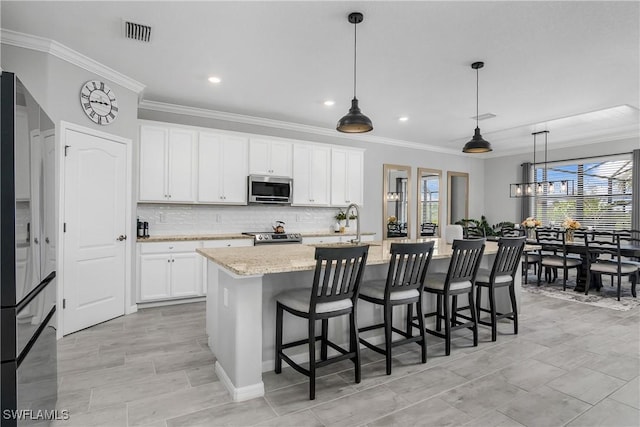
{"x":334,"y":293}
{"x":459,"y":280}
{"x":403,"y":286}
{"x":501,"y":275}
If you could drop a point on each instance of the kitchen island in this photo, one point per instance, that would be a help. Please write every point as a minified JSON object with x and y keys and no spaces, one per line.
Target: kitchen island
{"x":241,"y":287}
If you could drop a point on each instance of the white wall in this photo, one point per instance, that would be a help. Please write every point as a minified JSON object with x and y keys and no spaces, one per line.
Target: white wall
{"x":375,"y":156}
{"x":501,"y":171}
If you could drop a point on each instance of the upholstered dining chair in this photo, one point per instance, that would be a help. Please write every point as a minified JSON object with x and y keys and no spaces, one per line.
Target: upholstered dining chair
{"x":333,"y":293}
{"x":428,"y":229}
{"x":553,"y":255}
{"x":459,"y":280}
{"x":501,"y":275}
{"x":474,"y":232}
{"x":403,"y":286}
{"x":604,"y":257}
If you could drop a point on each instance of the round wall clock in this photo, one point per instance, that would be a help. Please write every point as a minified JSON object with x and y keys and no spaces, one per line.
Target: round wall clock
{"x":99,"y":102}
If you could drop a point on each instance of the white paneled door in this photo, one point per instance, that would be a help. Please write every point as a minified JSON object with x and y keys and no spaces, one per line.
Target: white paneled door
{"x":95,"y":179}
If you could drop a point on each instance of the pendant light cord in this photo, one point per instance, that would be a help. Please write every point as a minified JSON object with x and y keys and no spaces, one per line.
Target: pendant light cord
{"x":477,"y":90}
{"x":355,"y":56}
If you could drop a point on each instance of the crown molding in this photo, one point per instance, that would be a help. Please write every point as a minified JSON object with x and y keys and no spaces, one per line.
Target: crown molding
{"x":52,"y":47}
{"x":278,"y":124}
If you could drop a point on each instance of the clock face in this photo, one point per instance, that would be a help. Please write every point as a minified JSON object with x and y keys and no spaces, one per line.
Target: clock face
{"x":99,"y":102}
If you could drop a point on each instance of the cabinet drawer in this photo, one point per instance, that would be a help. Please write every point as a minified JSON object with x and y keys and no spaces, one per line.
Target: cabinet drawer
{"x":168,"y":247}
{"x":235,"y":243}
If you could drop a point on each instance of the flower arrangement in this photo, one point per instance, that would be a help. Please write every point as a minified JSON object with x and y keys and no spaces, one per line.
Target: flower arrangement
{"x":392,"y":219}
{"x":531,"y":222}
{"x":571,"y":224}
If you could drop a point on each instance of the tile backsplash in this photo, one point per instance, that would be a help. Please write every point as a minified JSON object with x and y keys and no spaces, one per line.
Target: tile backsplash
{"x":165,"y":219}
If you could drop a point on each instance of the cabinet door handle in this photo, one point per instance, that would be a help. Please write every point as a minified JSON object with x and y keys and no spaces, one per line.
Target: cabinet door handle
{"x":121,"y":237}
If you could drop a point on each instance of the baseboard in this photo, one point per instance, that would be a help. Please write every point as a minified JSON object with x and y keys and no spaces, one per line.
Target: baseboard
{"x":170,"y":302}
{"x":239,"y":394}
{"x":132,"y":309}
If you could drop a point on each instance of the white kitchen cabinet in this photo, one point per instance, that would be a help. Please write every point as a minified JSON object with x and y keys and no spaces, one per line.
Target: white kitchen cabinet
{"x":168,"y":170}
{"x":169,"y":270}
{"x":311,"y":175}
{"x":347,"y":167}
{"x":270,"y":157}
{"x":222,"y":168}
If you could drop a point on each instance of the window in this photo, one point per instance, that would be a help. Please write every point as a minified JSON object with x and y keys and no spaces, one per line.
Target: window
{"x":429,"y":199}
{"x":599,"y":193}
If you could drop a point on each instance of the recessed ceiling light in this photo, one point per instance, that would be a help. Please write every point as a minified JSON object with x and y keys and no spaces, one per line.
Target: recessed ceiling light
{"x":403,"y":118}
{"x":329,"y":103}
{"x":214,"y":79}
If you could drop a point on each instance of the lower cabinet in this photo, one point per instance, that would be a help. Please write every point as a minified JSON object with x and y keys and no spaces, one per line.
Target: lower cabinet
{"x":173,"y":270}
{"x":169,"y":270}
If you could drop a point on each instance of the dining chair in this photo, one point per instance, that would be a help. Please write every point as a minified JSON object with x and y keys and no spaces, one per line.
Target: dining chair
{"x":604,"y":257}
{"x":511,"y":231}
{"x":403,"y":286}
{"x":428,"y":229}
{"x":553,"y":256}
{"x":501,"y":275}
{"x":459,"y":280}
{"x":333,"y":293}
{"x":474,"y":232}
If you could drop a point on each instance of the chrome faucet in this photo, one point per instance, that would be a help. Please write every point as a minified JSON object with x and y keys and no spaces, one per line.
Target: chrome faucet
{"x":353,"y":205}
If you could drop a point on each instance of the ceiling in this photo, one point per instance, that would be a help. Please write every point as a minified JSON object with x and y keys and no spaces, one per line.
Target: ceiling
{"x":544,"y":61}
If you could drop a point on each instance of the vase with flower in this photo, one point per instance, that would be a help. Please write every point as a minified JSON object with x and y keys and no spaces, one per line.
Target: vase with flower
{"x":530,"y":224}
{"x":570,"y":225}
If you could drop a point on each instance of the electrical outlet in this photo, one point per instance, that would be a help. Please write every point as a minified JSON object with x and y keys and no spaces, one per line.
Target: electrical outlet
{"x":298,"y":217}
{"x":218,"y":218}
{"x":163,"y":217}
{"x":225,"y":297}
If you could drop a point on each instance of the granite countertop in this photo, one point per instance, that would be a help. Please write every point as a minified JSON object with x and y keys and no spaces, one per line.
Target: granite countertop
{"x":266,"y":259}
{"x":190,"y":237}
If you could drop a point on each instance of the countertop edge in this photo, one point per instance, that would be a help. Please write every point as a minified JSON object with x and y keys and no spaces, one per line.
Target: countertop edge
{"x":233,"y":236}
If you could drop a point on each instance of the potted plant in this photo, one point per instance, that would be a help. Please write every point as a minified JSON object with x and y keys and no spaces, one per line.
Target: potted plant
{"x":341,"y":218}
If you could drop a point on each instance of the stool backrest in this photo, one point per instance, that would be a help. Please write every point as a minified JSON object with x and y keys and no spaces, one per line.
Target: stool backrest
{"x":408,"y":266}
{"x":338,"y":274}
{"x":465,"y":261}
{"x":508,"y":257}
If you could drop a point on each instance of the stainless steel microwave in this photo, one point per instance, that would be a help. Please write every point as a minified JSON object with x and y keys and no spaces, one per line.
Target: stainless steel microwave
{"x":270,"y":189}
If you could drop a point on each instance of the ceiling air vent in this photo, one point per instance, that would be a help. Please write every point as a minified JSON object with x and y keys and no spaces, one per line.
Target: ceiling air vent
{"x":138,"y":32}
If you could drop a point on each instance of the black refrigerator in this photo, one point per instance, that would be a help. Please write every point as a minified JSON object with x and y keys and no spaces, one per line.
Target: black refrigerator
{"x":28,"y":387}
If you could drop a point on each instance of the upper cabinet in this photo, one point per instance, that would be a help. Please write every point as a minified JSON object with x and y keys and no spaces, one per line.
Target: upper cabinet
{"x":270,"y":157}
{"x":311,"y":175}
{"x":167,"y":164}
{"x":222,"y":168}
{"x":347,"y":167}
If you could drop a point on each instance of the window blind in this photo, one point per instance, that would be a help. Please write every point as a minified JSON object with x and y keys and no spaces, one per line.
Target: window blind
{"x":600,"y":192}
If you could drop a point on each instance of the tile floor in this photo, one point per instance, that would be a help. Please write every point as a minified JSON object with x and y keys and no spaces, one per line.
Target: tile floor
{"x":572,"y":364}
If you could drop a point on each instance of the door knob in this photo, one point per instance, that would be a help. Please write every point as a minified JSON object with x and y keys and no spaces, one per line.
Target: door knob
{"x":121,"y":237}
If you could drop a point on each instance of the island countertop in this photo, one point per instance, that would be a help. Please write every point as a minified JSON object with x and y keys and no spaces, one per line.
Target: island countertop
{"x":268,"y":259}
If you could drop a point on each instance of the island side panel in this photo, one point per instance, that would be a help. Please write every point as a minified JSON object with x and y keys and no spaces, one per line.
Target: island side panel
{"x":234,"y":324}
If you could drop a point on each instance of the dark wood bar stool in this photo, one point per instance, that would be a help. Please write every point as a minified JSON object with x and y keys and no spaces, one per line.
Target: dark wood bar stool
{"x":501,"y":275}
{"x":403,"y":286}
{"x":334,"y":293}
{"x":459,"y":280}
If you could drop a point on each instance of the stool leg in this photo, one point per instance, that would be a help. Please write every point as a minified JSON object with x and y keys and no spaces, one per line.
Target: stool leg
{"x":409,"y":319}
{"x":478,"y":300}
{"x":423,"y":334}
{"x":514,"y":308}
{"x":388,"y":318}
{"x":474,"y":319}
{"x":323,"y":341}
{"x":454,"y":310}
{"x":354,"y":345}
{"x":438,"y":312}
{"x":447,"y":326}
{"x":312,"y":359}
{"x":279,"y":313}
{"x":492,"y":307}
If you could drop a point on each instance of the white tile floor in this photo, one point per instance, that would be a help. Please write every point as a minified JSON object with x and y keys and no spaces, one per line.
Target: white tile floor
{"x":571,"y":364}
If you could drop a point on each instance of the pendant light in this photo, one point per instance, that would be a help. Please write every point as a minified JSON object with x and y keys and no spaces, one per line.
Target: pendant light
{"x":477,"y":143}
{"x":545,"y":187}
{"x":354,"y":121}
